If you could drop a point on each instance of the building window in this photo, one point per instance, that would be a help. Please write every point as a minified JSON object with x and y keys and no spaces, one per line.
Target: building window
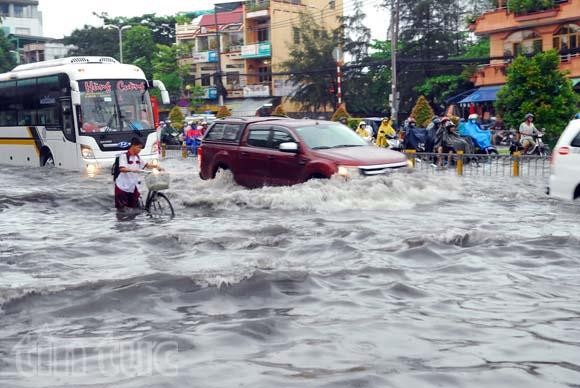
{"x":263,"y":35}
{"x":567,"y":38}
{"x":296,"y":35}
{"x":523,"y":42}
{"x":264,"y":75}
{"x":205,"y":80}
{"x":233,"y":78}
{"x":4,"y":10}
{"x":18,"y":11}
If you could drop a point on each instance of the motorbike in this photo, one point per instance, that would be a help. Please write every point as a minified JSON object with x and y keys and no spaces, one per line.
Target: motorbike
{"x":170,"y":137}
{"x":540,"y":148}
{"x":395,"y":143}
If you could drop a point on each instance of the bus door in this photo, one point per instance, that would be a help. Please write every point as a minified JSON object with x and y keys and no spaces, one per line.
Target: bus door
{"x":62,"y":143}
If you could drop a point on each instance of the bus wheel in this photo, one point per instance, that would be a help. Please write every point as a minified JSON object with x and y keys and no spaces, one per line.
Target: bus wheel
{"x":47,"y":160}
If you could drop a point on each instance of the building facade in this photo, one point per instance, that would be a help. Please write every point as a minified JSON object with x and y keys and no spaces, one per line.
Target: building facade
{"x":511,"y":33}
{"x":254,"y":40}
{"x":21,"y":17}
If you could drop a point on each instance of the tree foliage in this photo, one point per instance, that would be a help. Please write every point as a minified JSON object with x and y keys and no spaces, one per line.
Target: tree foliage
{"x":7,"y":60}
{"x":524,"y":6}
{"x":340,"y":113}
{"x":162,"y":27}
{"x":537,"y":85}
{"x":223,"y":112}
{"x":139,"y":48}
{"x":422,"y":112}
{"x":279,"y":112}
{"x":98,"y":41}
{"x":313,"y":51}
{"x":176,"y":117}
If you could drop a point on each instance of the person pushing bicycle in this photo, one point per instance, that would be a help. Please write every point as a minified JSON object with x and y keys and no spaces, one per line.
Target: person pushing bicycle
{"x":127,"y":182}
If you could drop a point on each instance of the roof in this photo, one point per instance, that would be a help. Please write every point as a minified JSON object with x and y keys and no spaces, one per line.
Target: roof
{"x":223,"y":18}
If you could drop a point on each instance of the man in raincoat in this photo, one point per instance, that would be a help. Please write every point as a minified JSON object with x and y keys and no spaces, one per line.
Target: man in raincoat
{"x":385,"y":132}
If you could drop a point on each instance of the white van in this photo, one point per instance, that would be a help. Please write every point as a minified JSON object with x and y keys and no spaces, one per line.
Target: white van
{"x":565,"y":173}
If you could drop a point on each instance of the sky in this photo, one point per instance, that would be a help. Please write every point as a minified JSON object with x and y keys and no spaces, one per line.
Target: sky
{"x":61,"y":17}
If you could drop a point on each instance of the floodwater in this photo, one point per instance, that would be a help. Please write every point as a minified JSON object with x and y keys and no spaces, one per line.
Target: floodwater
{"x":407,"y":280}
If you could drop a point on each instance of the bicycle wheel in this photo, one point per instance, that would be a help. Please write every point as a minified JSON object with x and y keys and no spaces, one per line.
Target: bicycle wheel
{"x":159,"y":206}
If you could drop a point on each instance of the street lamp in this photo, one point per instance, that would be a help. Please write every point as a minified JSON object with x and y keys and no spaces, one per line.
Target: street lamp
{"x":120,"y":29}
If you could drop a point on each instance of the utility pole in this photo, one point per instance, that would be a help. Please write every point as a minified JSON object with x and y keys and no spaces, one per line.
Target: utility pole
{"x":218,"y":77}
{"x":394,"y":37}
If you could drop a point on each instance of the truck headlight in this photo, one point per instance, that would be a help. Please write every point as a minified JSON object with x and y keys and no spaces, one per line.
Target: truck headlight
{"x":87,"y":152}
{"x":347,"y":171}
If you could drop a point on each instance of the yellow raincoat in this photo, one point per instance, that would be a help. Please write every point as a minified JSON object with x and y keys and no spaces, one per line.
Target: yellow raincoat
{"x":361,"y":130}
{"x":385,"y":131}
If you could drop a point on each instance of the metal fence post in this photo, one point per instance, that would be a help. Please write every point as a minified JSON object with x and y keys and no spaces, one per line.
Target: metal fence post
{"x":163,"y":150}
{"x":183,"y":150}
{"x":516,"y":163}
{"x":412,"y":156}
{"x":459,"y":164}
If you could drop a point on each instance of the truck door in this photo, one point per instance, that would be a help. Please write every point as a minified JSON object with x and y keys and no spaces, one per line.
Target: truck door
{"x":254,"y":157}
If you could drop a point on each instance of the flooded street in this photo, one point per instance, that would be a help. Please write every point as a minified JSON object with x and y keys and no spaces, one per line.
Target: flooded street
{"x":408,"y":280}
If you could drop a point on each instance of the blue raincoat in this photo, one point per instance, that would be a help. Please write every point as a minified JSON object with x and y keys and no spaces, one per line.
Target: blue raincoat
{"x":481,"y":138}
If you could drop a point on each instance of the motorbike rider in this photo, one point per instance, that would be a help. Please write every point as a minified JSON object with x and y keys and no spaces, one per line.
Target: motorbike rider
{"x":169,"y":134}
{"x":385,"y":132}
{"x":364,"y":130}
{"x":527,"y":132}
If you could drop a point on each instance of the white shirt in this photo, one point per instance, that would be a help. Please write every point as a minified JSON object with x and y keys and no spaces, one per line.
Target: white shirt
{"x":128,"y":181}
{"x":528,"y":130}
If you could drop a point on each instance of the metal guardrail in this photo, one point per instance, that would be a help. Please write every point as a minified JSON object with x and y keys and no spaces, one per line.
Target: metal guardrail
{"x":515,"y":165}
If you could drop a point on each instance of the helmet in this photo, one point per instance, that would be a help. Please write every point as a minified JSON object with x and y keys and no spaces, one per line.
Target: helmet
{"x":412,"y":120}
{"x":362,"y":124}
{"x":473,"y":116}
{"x":444,"y":119}
{"x":577,"y":116}
{"x":204,"y":123}
{"x":450,"y":124}
{"x":529,"y":115}
{"x":162,"y":122}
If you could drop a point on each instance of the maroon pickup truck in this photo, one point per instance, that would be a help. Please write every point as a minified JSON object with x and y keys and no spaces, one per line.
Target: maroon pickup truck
{"x":280,"y":151}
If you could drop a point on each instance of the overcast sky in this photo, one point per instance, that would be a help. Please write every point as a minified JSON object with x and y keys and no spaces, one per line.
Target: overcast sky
{"x":61,"y":17}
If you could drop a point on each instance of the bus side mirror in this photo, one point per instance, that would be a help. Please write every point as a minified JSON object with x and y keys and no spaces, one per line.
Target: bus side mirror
{"x":75,"y":97}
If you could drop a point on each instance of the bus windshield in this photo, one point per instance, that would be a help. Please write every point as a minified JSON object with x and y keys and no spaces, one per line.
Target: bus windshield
{"x":114,"y":106}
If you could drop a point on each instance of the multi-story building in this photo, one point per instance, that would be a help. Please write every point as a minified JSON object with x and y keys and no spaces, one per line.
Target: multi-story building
{"x":21,"y":17}
{"x":512,"y":33}
{"x":254,"y":39}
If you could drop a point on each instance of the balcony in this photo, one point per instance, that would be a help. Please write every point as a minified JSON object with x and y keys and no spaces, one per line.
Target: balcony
{"x":257,"y":50}
{"x":502,"y":20}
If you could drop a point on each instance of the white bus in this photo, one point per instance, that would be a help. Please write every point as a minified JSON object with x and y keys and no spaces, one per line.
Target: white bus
{"x":77,"y":113}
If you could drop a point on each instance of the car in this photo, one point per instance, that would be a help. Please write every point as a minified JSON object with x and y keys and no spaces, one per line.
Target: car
{"x":565,"y":164}
{"x":281,"y":151}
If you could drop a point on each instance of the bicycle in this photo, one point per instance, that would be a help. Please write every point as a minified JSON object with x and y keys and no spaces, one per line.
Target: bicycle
{"x":157,"y":205}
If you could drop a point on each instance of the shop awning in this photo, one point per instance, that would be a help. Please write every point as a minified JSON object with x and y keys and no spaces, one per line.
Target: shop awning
{"x":458,"y":97}
{"x":483,"y":94}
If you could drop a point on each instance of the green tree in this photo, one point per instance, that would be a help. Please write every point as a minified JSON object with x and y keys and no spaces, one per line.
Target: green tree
{"x":340,"y":113}
{"x":196,"y":95}
{"x":162,"y":27}
{"x":223,"y":112}
{"x":7,"y":60}
{"x":90,"y":41}
{"x":167,"y":69}
{"x":313,"y":51}
{"x":524,"y":6}
{"x":176,"y":117}
{"x":355,"y":35}
{"x":139,"y":48}
{"x":537,"y":85}
{"x":279,"y":112}
{"x":422,"y":112}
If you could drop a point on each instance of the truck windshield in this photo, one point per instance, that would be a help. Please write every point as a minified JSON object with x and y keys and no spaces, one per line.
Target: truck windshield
{"x":114,"y":106}
{"x":329,"y":136}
